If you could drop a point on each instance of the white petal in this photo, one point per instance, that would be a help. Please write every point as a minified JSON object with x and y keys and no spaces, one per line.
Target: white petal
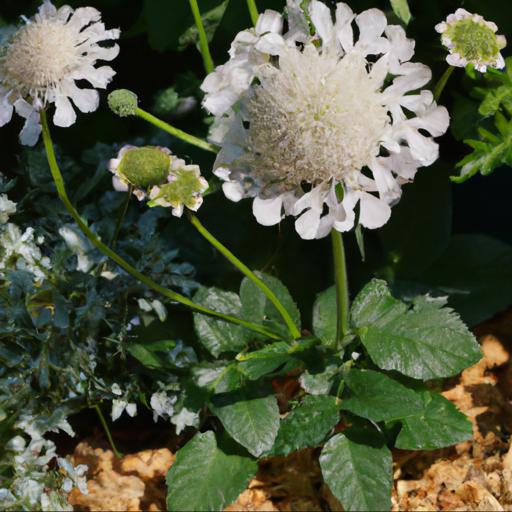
{"x":177,"y":211}
{"x":386,"y":184}
{"x":455,"y":60}
{"x":269,"y":21}
{"x":97,"y":77}
{"x":268,"y":211}
{"x":436,"y":121}
{"x":349,"y":202}
{"x":401,"y":47}
{"x":83,"y":16}
{"x":272,"y":44}
{"x":298,"y":27}
{"x":131,"y":409}
{"x":308,"y":223}
{"x":374,"y":212}
{"x":372,"y":24}
{"x":29,"y":135}
{"x":344,"y":32}
{"x":441,"y":27}
{"x":423,"y":149}
{"x":313,"y":199}
{"x":219,"y":103}
{"x":87,"y":100}
{"x":380,"y":71}
{"x":322,"y":20}
{"x":47,"y":9}
{"x":6,"y":110}
{"x":118,"y":406}
{"x":65,"y":114}
{"x":233,"y":191}
{"x":101,"y":53}
{"x":118,"y":185}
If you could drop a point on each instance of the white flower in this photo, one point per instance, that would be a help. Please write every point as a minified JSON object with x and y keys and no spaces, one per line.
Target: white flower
{"x":472,"y":40}
{"x":44,"y":59}
{"x":79,"y":245}
{"x":119,"y":406}
{"x":312,"y":126}
{"x":7,"y":208}
{"x":162,"y":405}
{"x":76,"y":476}
{"x":19,"y":250}
{"x":185,"y":418}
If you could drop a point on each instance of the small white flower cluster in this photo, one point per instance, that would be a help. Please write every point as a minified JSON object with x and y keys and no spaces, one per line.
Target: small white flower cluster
{"x":155,"y":173}
{"x":44,"y":59}
{"x":33,"y":484}
{"x":472,"y":40}
{"x":314,"y":125}
{"x":19,"y":250}
{"x":165,"y":406}
{"x":120,"y":405}
{"x":155,"y":306}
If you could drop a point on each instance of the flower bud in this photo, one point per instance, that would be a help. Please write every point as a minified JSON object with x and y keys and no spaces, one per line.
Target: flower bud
{"x":123,"y":102}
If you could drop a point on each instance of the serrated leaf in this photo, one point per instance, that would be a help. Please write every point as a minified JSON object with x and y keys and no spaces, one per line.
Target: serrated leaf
{"x":203,"y":477}
{"x":216,"y":335}
{"x":325,"y":316}
{"x":425,"y":342}
{"x":258,"y":309}
{"x":438,"y":425}
{"x":357,"y":467}
{"x":375,"y":396}
{"x":250,"y":417}
{"x":401,"y":9}
{"x":307,"y":425}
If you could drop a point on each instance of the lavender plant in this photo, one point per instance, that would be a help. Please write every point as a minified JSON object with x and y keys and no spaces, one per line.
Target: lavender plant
{"x":319,"y":114}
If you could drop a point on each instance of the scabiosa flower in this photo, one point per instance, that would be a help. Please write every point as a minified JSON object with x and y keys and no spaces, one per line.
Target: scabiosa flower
{"x":472,"y":40}
{"x":140,"y":168}
{"x":41,"y":62}
{"x":322,"y":127}
{"x":184,"y":188}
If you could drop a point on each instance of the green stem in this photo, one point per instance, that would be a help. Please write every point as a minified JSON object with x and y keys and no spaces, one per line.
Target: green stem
{"x":253,"y":10}
{"x":340,"y":273}
{"x":439,"y":88}
{"x":61,"y":190}
{"x":176,"y":132}
{"x":294,"y":331}
{"x":120,"y":218}
{"x":117,"y":453}
{"x":203,"y":41}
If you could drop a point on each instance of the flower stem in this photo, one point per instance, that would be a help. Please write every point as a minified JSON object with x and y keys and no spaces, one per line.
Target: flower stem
{"x":176,"y":132}
{"x":439,"y":88}
{"x":294,"y":331}
{"x":340,"y":273}
{"x":61,"y":190}
{"x":104,"y":424}
{"x":203,"y":40}
{"x":253,"y":10}
{"x":121,"y":216}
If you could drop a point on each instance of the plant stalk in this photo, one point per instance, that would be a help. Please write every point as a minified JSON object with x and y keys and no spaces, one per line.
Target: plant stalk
{"x":294,"y":331}
{"x":203,"y":40}
{"x":253,"y":10}
{"x":61,"y":190}
{"x":340,"y":274}
{"x":121,"y":216}
{"x":104,"y":424}
{"x":176,"y":132}
{"x":439,"y":88}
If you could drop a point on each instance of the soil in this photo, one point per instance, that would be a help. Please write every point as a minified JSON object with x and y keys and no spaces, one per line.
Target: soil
{"x":475,"y":475}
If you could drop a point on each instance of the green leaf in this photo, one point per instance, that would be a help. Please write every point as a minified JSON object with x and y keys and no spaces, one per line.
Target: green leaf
{"x":307,"y":425}
{"x":357,"y":467}
{"x":377,"y":397}
{"x":438,"y":425}
{"x":251,"y":418}
{"x":476,"y":272}
{"x":203,"y":477}
{"x":152,"y":355}
{"x":426,"y":342}
{"x":325,"y":316}
{"x":401,"y":9}
{"x":258,"y":309}
{"x":216,"y":335}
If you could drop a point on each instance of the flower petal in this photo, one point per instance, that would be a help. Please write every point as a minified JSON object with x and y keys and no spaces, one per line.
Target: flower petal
{"x":65,"y":114}
{"x":343,"y":27}
{"x":374,"y":212}
{"x":269,"y":21}
{"x":322,"y":20}
{"x":308,"y":223}
{"x":268,"y":211}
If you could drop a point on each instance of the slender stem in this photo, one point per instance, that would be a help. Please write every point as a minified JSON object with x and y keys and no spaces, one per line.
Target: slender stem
{"x":121,"y":216}
{"x":176,"y":132}
{"x":439,"y":88}
{"x":61,"y":190}
{"x":294,"y":331}
{"x":117,"y":453}
{"x":203,"y":40}
{"x":340,"y":273}
{"x":253,"y":10}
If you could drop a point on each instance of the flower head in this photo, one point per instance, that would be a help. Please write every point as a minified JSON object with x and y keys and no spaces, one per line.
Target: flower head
{"x":472,"y":40}
{"x":322,"y":127}
{"x":184,"y":188}
{"x":42,"y":60}
{"x":140,"y":168}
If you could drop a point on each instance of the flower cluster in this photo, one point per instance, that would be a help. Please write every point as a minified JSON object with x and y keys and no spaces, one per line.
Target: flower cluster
{"x":472,"y":40}
{"x":313,"y":125}
{"x":19,"y":250}
{"x":43,"y":60}
{"x":155,"y":173}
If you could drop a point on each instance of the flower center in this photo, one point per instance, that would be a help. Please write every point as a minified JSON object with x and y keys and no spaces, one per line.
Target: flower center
{"x":314,"y":118}
{"x":38,"y":56}
{"x":145,"y":167}
{"x":473,"y":40}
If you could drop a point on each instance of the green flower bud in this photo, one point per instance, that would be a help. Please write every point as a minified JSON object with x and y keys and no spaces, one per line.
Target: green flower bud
{"x":123,"y":102}
{"x":145,"y":167}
